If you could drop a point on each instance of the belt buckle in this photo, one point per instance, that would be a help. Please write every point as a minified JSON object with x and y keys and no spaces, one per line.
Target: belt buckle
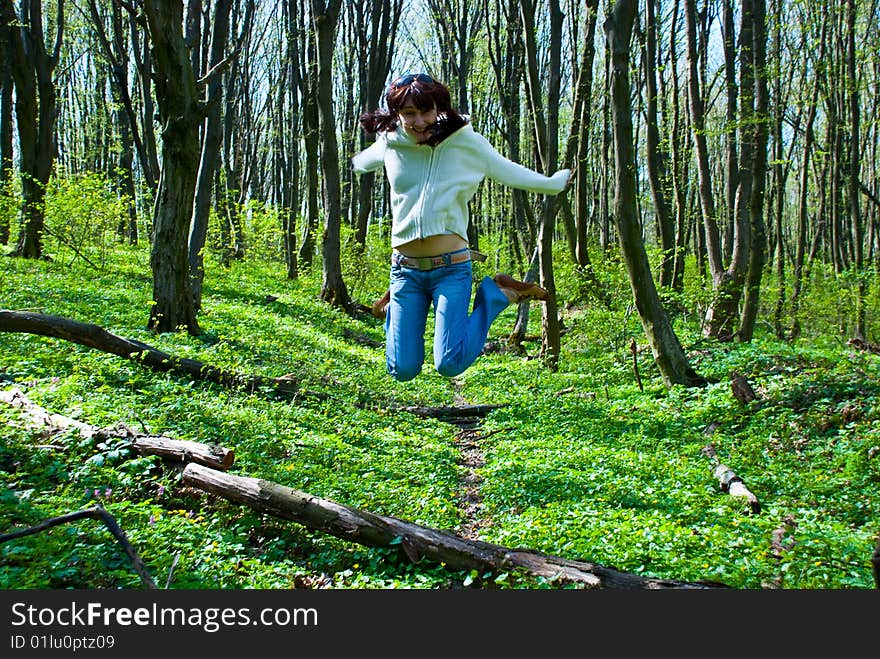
{"x":425,"y":263}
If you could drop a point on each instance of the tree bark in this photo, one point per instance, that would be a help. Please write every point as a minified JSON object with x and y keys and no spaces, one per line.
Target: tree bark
{"x":176,"y":450}
{"x":333,"y":289}
{"x":547,"y":134}
{"x":180,"y":114}
{"x":96,"y":337}
{"x":668,"y":353}
{"x":416,"y":541}
{"x":729,"y":482}
{"x":758,"y":135}
{"x":6,"y":130}
{"x":32,"y":68}
{"x":210,"y":151}
{"x":657,"y":156}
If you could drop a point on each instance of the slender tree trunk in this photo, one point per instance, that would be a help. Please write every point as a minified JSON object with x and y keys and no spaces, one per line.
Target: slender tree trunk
{"x":731,"y":165}
{"x":759,"y":132}
{"x":677,"y":137}
{"x":668,"y":353}
{"x":547,"y":131}
{"x":148,"y":154}
{"x":210,"y":151}
{"x":377,"y":47}
{"x":333,"y":289}
{"x":291,"y":156}
{"x":180,"y":114}
{"x":853,"y":190}
{"x":577,"y":146}
{"x":35,"y":108}
{"x":657,"y":156}
{"x":311,"y":142}
{"x":722,"y":314}
{"x":6,"y":129}
{"x":698,"y":127}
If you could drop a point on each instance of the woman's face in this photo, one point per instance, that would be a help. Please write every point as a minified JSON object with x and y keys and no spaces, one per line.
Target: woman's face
{"x":417,"y":123}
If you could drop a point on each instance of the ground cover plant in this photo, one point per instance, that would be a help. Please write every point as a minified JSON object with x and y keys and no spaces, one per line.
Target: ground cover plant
{"x":583,"y":462}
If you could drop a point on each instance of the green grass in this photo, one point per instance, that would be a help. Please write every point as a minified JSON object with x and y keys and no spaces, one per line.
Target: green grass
{"x":579,"y":463}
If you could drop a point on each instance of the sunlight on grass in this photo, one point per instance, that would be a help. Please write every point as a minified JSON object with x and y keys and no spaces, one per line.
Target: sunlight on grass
{"x":578,"y":462}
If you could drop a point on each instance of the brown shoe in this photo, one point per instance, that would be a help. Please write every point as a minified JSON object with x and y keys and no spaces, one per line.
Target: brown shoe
{"x":519,"y":291}
{"x":378,"y":308}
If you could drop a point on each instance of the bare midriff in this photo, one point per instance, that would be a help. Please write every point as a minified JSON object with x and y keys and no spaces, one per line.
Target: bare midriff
{"x":433,"y":245}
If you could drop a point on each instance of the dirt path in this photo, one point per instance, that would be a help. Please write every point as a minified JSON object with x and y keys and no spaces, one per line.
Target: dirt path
{"x":467,"y":440}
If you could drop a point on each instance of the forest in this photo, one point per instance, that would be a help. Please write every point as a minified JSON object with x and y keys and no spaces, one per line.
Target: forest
{"x":193,"y":389}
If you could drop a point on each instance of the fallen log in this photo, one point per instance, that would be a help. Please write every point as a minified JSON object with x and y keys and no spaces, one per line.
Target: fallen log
{"x":179,"y":450}
{"x":864,"y":346}
{"x":416,"y":541}
{"x":94,"y":336}
{"x":449,"y":412}
{"x":729,"y":481}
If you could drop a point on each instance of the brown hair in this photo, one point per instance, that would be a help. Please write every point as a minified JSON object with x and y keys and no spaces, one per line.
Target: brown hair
{"x":425,"y":96}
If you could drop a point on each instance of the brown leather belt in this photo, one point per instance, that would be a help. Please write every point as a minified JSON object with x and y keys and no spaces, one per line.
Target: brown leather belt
{"x":431,"y":262}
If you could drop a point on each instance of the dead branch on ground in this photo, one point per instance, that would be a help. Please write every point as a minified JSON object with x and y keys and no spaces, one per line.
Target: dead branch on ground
{"x":95,"y":512}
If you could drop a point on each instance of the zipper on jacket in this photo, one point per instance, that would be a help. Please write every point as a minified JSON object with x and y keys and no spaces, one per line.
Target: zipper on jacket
{"x":425,"y":187}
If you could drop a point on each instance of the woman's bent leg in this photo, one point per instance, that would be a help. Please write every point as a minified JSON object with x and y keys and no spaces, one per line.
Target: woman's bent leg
{"x":458,"y":337}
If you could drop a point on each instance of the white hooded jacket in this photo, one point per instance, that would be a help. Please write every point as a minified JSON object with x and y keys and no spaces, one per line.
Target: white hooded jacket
{"x":431,"y":186}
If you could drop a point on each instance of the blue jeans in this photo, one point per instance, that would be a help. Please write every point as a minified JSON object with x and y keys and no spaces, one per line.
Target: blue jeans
{"x":458,"y":337}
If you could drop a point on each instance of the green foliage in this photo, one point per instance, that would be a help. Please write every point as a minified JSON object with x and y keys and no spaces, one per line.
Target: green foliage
{"x":580,"y":462}
{"x":83,"y":214}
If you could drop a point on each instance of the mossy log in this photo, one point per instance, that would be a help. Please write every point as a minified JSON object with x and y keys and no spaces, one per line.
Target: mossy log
{"x":416,"y":541}
{"x":177,"y":450}
{"x":94,"y":336}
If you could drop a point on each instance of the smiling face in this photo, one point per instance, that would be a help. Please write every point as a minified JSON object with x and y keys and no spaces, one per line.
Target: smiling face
{"x":417,"y":122}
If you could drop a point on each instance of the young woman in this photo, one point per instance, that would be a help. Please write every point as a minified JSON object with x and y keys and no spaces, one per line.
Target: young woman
{"x":435,"y":161}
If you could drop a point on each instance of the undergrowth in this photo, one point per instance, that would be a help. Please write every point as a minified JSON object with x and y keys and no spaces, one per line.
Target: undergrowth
{"x":581,"y":462}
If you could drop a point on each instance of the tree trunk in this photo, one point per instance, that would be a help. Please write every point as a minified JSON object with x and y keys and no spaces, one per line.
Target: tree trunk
{"x":657,"y":155}
{"x":333,"y":289}
{"x":180,"y":115}
{"x":174,"y":450}
{"x":376,"y":47}
{"x":290,"y":129}
{"x":731,"y":166}
{"x":668,"y":353}
{"x":210,"y":152}
{"x":149,"y":157}
{"x":758,"y":131}
{"x":35,"y":107}
{"x":680,"y":165}
{"x":803,"y":203}
{"x":6,"y":129}
{"x":855,"y":157}
{"x":311,"y":142}
{"x":547,"y":132}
